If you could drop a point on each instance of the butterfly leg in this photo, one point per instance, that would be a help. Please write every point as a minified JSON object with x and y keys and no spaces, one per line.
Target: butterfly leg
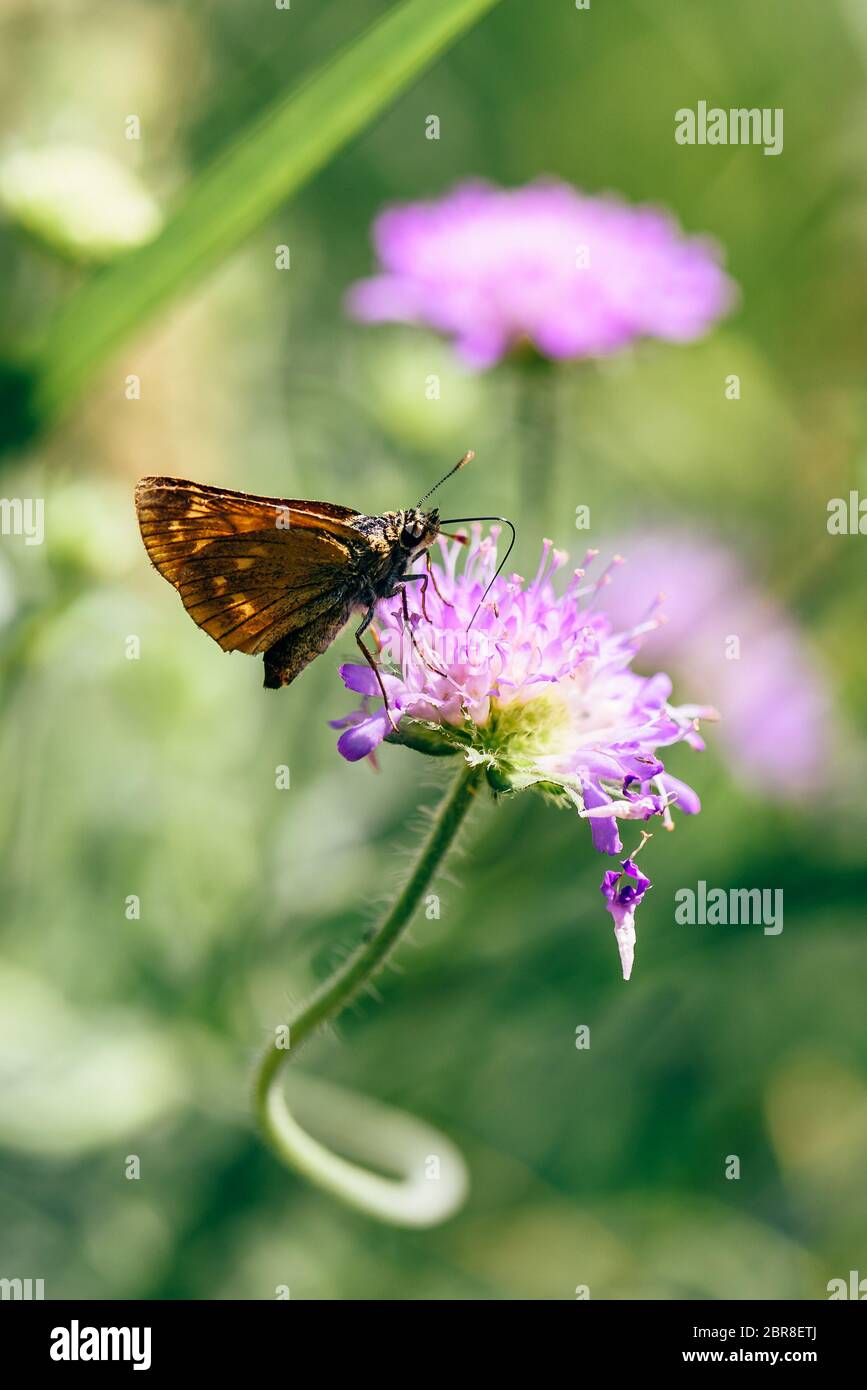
{"x":372,"y":663}
{"x":408,"y":625}
{"x":431,"y":574}
{"x":409,"y":578}
{"x":425,"y":580}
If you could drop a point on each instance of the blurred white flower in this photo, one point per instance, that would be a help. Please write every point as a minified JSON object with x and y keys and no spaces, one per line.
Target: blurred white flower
{"x":72,"y":1082}
{"x":80,"y":201}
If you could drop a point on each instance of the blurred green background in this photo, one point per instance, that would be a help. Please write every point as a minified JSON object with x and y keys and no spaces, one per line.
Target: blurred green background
{"x":156,"y":777}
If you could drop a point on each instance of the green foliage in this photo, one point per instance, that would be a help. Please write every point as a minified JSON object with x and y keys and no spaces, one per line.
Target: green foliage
{"x":229,"y":199}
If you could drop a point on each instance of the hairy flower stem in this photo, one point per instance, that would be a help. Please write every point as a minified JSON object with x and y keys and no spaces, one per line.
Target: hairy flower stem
{"x":414,"y":1200}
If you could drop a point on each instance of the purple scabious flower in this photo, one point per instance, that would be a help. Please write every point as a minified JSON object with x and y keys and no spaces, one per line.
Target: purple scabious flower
{"x":537,"y":689}
{"x":574,"y":275}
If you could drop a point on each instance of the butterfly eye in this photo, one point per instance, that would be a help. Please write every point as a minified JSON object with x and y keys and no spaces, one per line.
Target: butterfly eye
{"x":412,"y":532}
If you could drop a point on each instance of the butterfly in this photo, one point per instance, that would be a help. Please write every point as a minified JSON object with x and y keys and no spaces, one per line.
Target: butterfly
{"x":283,"y":577}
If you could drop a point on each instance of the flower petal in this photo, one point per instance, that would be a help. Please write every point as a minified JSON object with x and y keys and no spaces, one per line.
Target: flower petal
{"x":361,"y":739}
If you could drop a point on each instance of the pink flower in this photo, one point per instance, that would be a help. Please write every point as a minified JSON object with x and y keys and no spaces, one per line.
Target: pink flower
{"x":575,"y":275}
{"x":731,"y":639}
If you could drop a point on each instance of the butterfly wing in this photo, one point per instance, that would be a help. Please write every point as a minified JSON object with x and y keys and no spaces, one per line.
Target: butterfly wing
{"x":296,"y":649}
{"x":250,"y":569}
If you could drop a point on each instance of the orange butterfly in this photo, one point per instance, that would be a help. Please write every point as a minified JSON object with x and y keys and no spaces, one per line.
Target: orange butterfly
{"x":282,"y":577}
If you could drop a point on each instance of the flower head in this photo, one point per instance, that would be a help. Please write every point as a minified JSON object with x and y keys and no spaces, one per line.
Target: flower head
{"x":576,"y":276}
{"x":536,"y":688}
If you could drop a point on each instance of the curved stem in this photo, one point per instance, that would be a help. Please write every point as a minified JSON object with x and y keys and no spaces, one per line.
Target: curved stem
{"x":434,"y":1177}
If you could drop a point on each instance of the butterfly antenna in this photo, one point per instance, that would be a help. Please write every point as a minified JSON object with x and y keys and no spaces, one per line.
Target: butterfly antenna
{"x":504,"y":520}
{"x":467,"y":458}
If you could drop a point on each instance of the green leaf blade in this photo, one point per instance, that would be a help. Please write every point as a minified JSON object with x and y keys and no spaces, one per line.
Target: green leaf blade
{"x":286,"y":146}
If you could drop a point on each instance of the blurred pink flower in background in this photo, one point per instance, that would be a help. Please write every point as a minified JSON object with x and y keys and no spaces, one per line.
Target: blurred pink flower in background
{"x":575,"y":275}
{"x":740,"y":648}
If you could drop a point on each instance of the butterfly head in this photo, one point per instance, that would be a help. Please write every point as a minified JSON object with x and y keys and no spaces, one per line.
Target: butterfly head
{"x":417,"y":529}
